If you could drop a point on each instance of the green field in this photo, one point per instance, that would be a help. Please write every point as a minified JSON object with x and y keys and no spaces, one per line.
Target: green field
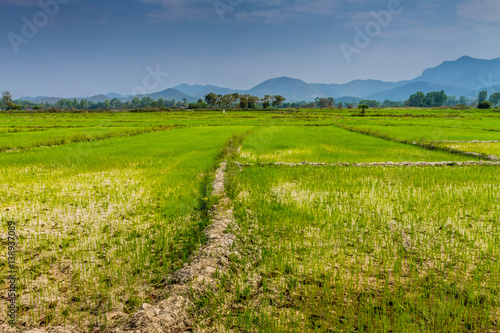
{"x":107,"y":206}
{"x":53,"y":137}
{"x":98,"y":231}
{"x":428,"y":128}
{"x":330,"y":144}
{"x":368,"y":249}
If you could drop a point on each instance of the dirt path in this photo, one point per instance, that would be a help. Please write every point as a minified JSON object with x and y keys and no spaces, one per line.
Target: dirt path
{"x":171,"y":314}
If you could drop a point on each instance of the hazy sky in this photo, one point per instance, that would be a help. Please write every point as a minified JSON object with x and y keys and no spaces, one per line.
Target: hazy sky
{"x":85,"y":47}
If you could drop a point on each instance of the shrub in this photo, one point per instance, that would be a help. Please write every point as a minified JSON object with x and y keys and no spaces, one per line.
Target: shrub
{"x":484,"y":105}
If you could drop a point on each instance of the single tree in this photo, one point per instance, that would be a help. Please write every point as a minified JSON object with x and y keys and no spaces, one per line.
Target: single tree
{"x":219,"y":101}
{"x":234,"y":98}
{"x":107,"y":104}
{"x":482,"y":96}
{"x":83,"y":104}
{"x":227,"y":101}
{"x":211,"y":99}
{"x":325,"y":102}
{"x":146,"y":102}
{"x":135,"y":103}
{"x":417,"y":100}
{"x":463,"y":100}
{"x":60,"y":104}
{"x":266,"y":101}
{"x":495,"y":98}
{"x":278,"y":100}
{"x":363,"y":108}
{"x":244,"y":101}
{"x":252,"y":101}
{"x":7,"y":100}
{"x":435,"y":98}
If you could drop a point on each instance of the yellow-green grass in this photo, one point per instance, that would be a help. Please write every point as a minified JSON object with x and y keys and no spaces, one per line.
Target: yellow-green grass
{"x":101,"y":224}
{"x":52,"y":137}
{"x":468,"y":119}
{"x":486,"y":148}
{"x":185,"y":117}
{"x":364,"y":250}
{"x":430,"y":128}
{"x":330,"y":144}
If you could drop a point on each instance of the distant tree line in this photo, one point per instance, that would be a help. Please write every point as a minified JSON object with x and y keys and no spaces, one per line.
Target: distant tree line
{"x":83,"y":104}
{"x":439,"y":98}
{"x":248,"y":102}
{"x":117,"y":104}
{"x":432,"y":99}
{"x":230,"y":101}
{"x":245,"y":101}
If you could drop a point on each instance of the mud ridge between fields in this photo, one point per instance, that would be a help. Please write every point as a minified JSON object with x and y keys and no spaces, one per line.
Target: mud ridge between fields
{"x":468,"y":141}
{"x":478,"y":155}
{"x":376,"y":164}
{"x":195,"y":278}
{"x":428,"y":146}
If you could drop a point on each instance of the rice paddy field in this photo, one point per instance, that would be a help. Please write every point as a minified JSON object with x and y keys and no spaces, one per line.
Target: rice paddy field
{"x":330,"y":144}
{"x":368,"y":249}
{"x":452,"y":126}
{"x":107,"y":206}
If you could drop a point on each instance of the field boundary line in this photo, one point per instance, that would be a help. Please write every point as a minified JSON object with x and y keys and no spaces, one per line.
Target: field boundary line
{"x":467,"y":141}
{"x":86,"y":139}
{"x":424,"y":145}
{"x":194,"y":279}
{"x":375,"y":164}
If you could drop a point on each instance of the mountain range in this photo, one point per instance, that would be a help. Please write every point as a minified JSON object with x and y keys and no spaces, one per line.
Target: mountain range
{"x":465,"y":76}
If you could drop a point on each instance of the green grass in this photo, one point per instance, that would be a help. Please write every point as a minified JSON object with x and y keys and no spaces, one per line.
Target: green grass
{"x":330,"y":144}
{"x":470,"y":127}
{"x":99,"y":231}
{"x":145,"y":119}
{"x":109,"y":211}
{"x":14,"y":141}
{"x":365,"y":250}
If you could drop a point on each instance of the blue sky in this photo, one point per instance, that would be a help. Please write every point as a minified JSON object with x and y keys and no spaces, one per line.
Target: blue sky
{"x":86,"y":47}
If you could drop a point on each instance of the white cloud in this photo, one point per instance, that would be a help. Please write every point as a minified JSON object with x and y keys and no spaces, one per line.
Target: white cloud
{"x":181,"y":9}
{"x":279,"y":11}
{"x":480,"y":10}
{"x":245,"y":10}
